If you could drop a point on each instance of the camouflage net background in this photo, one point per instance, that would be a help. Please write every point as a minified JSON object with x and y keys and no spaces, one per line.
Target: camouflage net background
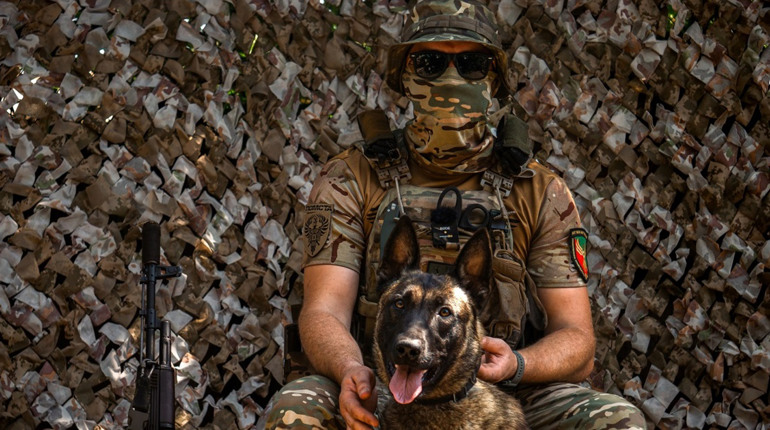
{"x":213,"y":117}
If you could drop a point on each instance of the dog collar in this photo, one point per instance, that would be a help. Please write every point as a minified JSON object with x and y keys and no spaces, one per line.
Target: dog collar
{"x":455,"y":397}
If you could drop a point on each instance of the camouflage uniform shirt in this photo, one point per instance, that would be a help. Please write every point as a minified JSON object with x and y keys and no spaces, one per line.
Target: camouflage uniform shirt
{"x":347,"y":194}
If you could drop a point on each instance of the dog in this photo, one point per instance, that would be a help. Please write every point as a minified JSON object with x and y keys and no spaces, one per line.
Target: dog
{"x":427,"y":340}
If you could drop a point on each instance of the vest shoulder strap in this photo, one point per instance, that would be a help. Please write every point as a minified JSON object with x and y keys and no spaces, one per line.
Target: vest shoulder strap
{"x":384,"y":148}
{"x":513,"y":147}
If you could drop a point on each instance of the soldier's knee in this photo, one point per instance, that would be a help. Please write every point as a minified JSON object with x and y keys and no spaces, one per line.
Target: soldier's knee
{"x":614,"y":412}
{"x":309,"y":402}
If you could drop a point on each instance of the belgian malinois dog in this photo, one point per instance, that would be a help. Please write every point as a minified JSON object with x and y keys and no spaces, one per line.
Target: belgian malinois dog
{"x":427,"y":340}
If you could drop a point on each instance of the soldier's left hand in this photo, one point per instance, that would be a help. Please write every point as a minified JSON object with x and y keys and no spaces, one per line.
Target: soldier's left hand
{"x":498,"y":362}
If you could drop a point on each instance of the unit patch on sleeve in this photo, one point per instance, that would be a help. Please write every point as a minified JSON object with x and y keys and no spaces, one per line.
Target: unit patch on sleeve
{"x":318,"y":221}
{"x":578,"y":243}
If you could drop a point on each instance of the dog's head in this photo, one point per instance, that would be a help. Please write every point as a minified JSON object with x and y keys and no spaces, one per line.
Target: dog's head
{"x":427,"y":334}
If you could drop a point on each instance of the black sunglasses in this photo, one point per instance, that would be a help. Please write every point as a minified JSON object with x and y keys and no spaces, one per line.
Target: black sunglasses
{"x":470,"y":65}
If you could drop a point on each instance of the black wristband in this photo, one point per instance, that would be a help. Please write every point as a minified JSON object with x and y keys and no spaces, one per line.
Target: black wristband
{"x":514,"y":381}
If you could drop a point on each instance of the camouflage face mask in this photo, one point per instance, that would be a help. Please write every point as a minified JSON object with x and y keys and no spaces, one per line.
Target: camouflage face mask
{"x":450,"y":128}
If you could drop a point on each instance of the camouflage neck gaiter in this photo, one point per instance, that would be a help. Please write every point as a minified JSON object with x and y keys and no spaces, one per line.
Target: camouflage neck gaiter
{"x":450,"y":127}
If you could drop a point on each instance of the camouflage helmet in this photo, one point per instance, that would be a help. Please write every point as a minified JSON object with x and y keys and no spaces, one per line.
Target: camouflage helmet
{"x":448,"y":20}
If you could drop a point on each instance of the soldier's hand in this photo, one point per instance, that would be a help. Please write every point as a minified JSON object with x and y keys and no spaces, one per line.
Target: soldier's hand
{"x":358,"y":398}
{"x":498,"y":362}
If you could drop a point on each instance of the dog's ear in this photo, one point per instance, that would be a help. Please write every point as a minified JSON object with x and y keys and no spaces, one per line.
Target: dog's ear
{"x":402,"y":252}
{"x":474,"y":267}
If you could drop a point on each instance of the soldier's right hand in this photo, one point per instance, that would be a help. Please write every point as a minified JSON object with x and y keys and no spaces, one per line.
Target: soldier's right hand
{"x":358,"y":398}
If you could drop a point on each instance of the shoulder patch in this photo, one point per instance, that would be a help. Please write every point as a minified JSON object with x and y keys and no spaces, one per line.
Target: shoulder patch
{"x":318,"y":221}
{"x":578,"y":246}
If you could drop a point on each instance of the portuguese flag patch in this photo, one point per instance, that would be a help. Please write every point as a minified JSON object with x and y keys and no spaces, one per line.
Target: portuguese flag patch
{"x":578,"y":246}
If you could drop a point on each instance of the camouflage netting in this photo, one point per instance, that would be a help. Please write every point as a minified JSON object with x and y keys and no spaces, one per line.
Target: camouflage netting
{"x":213,"y":118}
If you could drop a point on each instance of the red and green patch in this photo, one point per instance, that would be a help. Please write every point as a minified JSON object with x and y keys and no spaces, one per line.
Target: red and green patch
{"x":578,"y":246}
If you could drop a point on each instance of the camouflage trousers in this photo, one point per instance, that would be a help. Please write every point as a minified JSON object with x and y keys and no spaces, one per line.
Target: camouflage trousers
{"x":311,"y":403}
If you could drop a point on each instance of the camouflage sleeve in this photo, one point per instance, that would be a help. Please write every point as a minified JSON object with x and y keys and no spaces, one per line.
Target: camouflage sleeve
{"x":333,"y":225}
{"x":557,"y":251}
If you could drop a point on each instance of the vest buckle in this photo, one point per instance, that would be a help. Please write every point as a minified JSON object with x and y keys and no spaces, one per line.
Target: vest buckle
{"x":497,"y":182}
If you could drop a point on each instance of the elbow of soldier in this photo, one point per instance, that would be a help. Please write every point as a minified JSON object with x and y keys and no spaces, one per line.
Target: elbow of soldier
{"x":587,"y":369}
{"x":306,"y":324}
{"x":580,"y":374}
{"x":588,"y":364}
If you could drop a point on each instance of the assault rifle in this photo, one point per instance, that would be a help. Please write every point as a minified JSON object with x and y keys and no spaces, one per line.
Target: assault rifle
{"x":153,"y":405}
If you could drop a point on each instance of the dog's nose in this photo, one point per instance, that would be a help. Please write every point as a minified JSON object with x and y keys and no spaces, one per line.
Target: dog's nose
{"x":409,"y":349}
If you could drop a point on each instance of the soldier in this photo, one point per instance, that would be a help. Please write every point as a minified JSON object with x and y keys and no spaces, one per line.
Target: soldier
{"x":541,"y":344}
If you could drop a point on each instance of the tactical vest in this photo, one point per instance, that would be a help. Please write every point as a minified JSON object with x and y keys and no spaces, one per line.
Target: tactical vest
{"x":444,"y":219}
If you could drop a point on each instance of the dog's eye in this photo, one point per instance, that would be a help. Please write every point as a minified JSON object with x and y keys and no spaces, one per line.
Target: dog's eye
{"x":445,"y":312}
{"x":398,"y":304}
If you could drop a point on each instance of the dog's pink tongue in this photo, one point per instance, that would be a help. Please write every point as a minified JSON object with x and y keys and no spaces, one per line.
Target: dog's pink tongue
{"x":406,"y":384}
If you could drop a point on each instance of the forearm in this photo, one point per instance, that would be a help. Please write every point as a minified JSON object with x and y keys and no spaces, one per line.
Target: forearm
{"x":324,"y":323}
{"x":328,"y":344}
{"x":563,"y":355}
